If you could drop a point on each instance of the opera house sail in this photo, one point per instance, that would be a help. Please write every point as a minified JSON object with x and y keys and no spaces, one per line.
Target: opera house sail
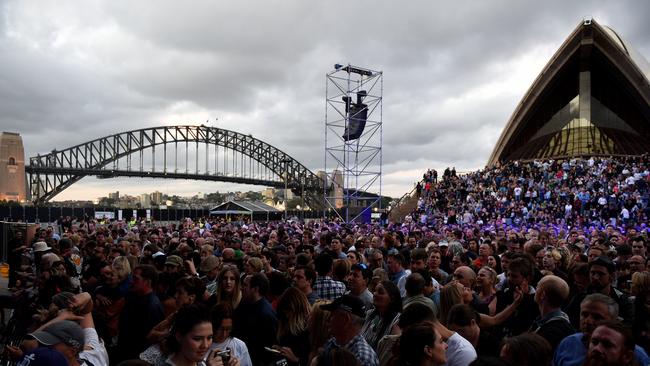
{"x":592,"y":98}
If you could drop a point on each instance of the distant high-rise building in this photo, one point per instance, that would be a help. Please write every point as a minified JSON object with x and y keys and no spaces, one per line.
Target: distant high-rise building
{"x":12,"y":167}
{"x":145,"y":200}
{"x":334,"y":185}
{"x":157,"y":198}
{"x":337,"y":182}
{"x":114,"y":195}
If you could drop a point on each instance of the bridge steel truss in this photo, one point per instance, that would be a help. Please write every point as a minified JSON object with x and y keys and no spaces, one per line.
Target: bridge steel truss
{"x":52,"y":173}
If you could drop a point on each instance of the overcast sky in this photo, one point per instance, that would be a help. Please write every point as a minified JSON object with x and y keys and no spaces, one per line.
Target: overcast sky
{"x":73,"y":71}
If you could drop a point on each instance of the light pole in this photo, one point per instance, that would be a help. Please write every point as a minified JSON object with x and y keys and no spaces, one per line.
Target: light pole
{"x":286,"y":162}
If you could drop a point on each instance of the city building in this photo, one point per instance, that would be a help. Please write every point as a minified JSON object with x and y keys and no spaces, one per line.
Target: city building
{"x":145,"y":200}
{"x":114,"y":195}
{"x":157,"y":198}
{"x":12,"y":167}
{"x":591,"y":98}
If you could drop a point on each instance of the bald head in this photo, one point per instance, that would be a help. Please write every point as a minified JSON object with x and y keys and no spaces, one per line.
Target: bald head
{"x":553,"y":290}
{"x":466,"y":276}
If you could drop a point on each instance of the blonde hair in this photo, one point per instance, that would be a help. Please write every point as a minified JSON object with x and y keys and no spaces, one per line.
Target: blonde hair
{"x":122,"y":267}
{"x":450,"y":295}
{"x":493,"y":273}
{"x":293,"y":312}
{"x":317,"y":326}
{"x":256,"y":263}
{"x":641,"y":281}
{"x":207,"y":248}
{"x":75,"y":239}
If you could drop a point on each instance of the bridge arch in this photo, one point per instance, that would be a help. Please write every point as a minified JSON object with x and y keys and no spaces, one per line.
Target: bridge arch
{"x":52,"y":173}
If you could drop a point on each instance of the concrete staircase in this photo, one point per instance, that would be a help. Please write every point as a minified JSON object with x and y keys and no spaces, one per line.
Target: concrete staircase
{"x":405,"y":206}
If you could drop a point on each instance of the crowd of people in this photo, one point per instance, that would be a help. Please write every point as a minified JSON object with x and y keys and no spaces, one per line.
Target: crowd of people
{"x":534,"y":263}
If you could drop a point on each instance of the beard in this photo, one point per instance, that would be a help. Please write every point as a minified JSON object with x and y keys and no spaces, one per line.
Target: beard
{"x":597,"y":359}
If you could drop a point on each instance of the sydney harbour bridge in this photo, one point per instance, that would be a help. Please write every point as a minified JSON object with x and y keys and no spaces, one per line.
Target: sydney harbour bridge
{"x":173,"y":152}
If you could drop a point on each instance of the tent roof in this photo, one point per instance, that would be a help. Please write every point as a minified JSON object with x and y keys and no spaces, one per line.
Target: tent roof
{"x":243,"y":207}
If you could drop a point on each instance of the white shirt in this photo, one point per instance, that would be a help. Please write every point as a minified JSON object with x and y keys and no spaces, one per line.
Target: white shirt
{"x":459,"y":351}
{"x":625,"y":213}
{"x":238,"y":348}
{"x":97,"y":354}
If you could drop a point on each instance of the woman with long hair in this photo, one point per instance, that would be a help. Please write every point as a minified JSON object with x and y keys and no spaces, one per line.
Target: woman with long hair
{"x":450,"y":295}
{"x":421,"y":345}
{"x":317,"y":327}
{"x":293,"y":317}
{"x":190,"y":339}
{"x":229,"y":286}
{"x":222,"y":323}
{"x":494,"y":262}
{"x":189,"y":291}
{"x":380,"y":320}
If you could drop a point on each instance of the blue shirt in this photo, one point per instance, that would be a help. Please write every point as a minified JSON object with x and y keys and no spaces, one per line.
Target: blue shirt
{"x":572,"y":351}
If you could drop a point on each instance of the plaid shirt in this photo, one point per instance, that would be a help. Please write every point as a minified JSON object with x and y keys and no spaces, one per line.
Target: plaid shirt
{"x":359,"y":348}
{"x":328,"y":289}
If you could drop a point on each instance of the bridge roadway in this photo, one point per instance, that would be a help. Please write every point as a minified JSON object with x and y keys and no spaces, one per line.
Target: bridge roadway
{"x":104,"y":174}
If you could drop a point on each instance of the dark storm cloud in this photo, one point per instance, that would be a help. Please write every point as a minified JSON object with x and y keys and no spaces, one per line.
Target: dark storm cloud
{"x":454,"y":71}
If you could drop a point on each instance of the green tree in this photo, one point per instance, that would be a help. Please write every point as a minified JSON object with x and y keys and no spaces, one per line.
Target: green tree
{"x":293,"y":203}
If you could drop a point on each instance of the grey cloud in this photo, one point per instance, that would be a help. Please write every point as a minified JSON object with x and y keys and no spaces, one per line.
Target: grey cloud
{"x":102,"y":67}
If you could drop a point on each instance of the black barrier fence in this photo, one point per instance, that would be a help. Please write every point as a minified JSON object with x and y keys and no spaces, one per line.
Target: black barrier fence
{"x":52,"y":214}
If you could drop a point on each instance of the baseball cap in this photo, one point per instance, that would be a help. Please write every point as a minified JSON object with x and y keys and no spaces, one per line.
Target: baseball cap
{"x":174,"y":260}
{"x":365,"y":271}
{"x":349,"y":303}
{"x":43,"y":356}
{"x":65,"y":331}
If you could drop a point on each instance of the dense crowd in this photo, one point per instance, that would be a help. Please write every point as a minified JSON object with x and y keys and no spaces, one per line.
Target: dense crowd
{"x":523,"y":264}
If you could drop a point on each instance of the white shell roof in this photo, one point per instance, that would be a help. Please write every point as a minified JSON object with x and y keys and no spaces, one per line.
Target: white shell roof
{"x":636,"y":57}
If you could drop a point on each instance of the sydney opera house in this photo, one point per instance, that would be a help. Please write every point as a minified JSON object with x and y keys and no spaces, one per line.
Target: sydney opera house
{"x":592,"y":98}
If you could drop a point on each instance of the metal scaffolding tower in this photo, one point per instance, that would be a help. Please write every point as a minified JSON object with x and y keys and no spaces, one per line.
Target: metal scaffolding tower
{"x":353,"y":141}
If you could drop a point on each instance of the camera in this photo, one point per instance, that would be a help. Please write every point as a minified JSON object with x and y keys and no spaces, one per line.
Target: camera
{"x":225,"y":355}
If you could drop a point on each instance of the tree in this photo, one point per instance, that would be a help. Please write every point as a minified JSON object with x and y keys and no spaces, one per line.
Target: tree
{"x":293,"y":203}
{"x":254,"y":196}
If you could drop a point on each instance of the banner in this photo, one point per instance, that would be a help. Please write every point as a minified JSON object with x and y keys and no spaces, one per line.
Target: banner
{"x":105,"y":215}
